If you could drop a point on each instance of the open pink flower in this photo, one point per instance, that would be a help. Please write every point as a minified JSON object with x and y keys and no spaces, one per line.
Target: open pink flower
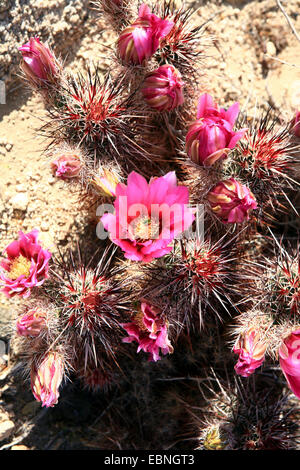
{"x":150,"y":331}
{"x":162,"y":88}
{"x":139,"y":41}
{"x":38,"y":63}
{"x":289,"y":358}
{"x":67,"y":166}
{"x":148,"y":216}
{"x":26,"y":265}
{"x":231,"y":201}
{"x":46,"y":379}
{"x":251,"y":350}
{"x":31,"y":323}
{"x":211,"y":137}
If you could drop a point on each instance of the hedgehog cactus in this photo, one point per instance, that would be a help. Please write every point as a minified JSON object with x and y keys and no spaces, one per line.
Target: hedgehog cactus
{"x":136,"y":140}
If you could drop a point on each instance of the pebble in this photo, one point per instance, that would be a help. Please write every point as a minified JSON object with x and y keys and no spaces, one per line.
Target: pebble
{"x":19,"y":201}
{"x":6,"y":429}
{"x":44,"y":226}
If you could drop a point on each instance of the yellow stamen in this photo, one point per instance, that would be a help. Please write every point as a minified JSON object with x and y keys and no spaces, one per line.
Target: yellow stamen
{"x":19,"y":266}
{"x":145,"y":228}
{"x":213,"y":440}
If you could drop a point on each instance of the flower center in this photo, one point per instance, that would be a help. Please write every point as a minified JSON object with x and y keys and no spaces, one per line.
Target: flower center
{"x":19,"y":266}
{"x":145,"y":228}
{"x":138,"y":320}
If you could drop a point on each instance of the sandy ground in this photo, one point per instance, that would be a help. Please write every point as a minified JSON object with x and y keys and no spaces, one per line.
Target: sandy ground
{"x":254,"y":58}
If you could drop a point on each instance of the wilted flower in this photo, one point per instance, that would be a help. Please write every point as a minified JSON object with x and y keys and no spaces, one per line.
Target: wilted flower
{"x":231,"y":201}
{"x":162,"y":88}
{"x":148,"y":216}
{"x":26,"y":265}
{"x":46,"y":379}
{"x":39,"y":64}
{"x":251,"y":350}
{"x":289,"y":358}
{"x":139,"y":41}
{"x":67,"y":166}
{"x":150,"y":331}
{"x":31,"y":323}
{"x":211,"y":137}
{"x":296,"y":124}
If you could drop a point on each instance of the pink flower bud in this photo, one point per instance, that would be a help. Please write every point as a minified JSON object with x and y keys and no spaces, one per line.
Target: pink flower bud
{"x":296,"y":125}
{"x":289,"y":358}
{"x":139,"y":41}
{"x":211,"y":137}
{"x":46,"y":379}
{"x":67,"y":166}
{"x":251,"y":350}
{"x":38,"y":63}
{"x":31,"y":324}
{"x":231,"y":201}
{"x":106,"y":183}
{"x":162,"y":89}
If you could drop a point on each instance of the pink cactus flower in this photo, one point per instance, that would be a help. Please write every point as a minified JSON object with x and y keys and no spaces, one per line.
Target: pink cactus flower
{"x":67,"y":166}
{"x":251,"y":350}
{"x":26,"y":265}
{"x":139,"y":41}
{"x":162,"y":88}
{"x":296,"y":124}
{"x":148,"y":216}
{"x":39,"y":64}
{"x":46,"y":379}
{"x":31,"y":323}
{"x":231,"y":201}
{"x":211,"y":137}
{"x":289,"y":358}
{"x":150,"y":331}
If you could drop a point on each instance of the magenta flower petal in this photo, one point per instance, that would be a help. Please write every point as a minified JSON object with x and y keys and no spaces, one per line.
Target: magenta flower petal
{"x":148,"y":216}
{"x":209,"y":138}
{"x":150,"y":331}
{"x":26,"y":266}
{"x":289,"y":358}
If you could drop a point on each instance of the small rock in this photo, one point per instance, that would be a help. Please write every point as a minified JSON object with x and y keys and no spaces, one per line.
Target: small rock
{"x":6,"y":429}
{"x":44,"y":226}
{"x":19,"y":201}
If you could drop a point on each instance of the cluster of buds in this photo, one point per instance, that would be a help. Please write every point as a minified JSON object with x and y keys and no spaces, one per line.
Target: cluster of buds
{"x":231,"y":201}
{"x":211,"y":137}
{"x":163,"y":88}
{"x":150,"y":331}
{"x":139,"y":41}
